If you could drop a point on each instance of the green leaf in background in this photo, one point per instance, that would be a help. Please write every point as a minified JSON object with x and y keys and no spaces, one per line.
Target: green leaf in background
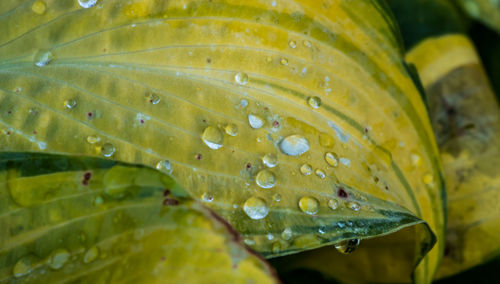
{"x":86,"y":220}
{"x":486,"y":11}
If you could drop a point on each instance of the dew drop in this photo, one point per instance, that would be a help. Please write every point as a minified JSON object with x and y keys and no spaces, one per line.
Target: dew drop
{"x":58,"y":258}
{"x":322,"y":230}
{"x":354,"y":206}
{"x":207,"y":197}
{"x":93,"y":139}
{"x":348,"y":246}
{"x":307,"y":43}
{"x":306,"y":169}
{"x":71,"y":103}
{"x":428,"y":179}
{"x":286,"y":234}
{"x":39,"y":7}
{"x":256,"y":208}
{"x":277,"y":197}
{"x":255,"y":121}
{"x":265,"y":179}
{"x":284,"y":61}
{"x":91,"y":254}
{"x":43,"y":58}
{"x":164,"y":166}
{"x":331,"y":159}
{"x":314,"y":102}
{"x":212,"y":137}
{"x":325,"y":140}
{"x":153,"y":98}
{"x":24,"y":266}
{"x":292,"y":44}
{"x":108,"y":150}
{"x":269,"y":59}
{"x":309,"y":205}
{"x":241,"y":78}
{"x":98,"y":200}
{"x":333,"y":204}
{"x":294,"y":145}
{"x":231,"y":129}
{"x":320,"y":173}
{"x":276,"y":247}
{"x":415,"y":159}
{"x":87,"y":3}
{"x":270,"y":160}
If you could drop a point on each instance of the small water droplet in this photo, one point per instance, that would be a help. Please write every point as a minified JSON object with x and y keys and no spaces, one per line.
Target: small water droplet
{"x":93,"y":139}
{"x":270,"y":160}
{"x":287,"y":234}
{"x":331,"y":159}
{"x":292,"y":44}
{"x":255,"y":121}
{"x":276,"y":247}
{"x":231,"y":129}
{"x":241,"y":78}
{"x":320,"y":173}
{"x":269,"y":59}
{"x":71,"y":103}
{"x":325,"y":140}
{"x":284,"y":61}
{"x":43,"y":58}
{"x":354,"y":206}
{"x":333,"y":204}
{"x":87,"y":3}
{"x":428,"y":179}
{"x":164,"y":166}
{"x":98,"y":200}
{"x":415,"y":159}
{"x":322,"y":230}
{"x":314,"y":102}
{"x":294,"y":145}
{"x":91,"y":254}
{"x":212,"y":137}
{"x":348,"y":246}
{"x":277,"y":197}
{"x":306,"y":169}
{"x":270,"y":237}
{"x":207,"y":197}
{"x":265,"y":179}
{"x":107,"y":150}
{"x":307,"y":43}
{"x":309,"y":205}
{"x":23,"y":266}
{"x":256,"y":208}
{"x":39,"y":7}
{"x":153,"y":98}
{"x":58,"y":258}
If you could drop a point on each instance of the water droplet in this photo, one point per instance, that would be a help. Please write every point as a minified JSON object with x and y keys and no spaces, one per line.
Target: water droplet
{"x":314,"y":102}
{"x":58,"y":258}
{"x":153,"y":98}
{"x":265,"y":179}
{"x":108,"y":150}
{"x":415,"y":159}
{"x":212,"y":137}
{"x":87,"y":3}
{"x":71,"y":103}
{"x":322,"y":230}
{"x":277,"y":197}
{"x":39,"y":7}
{"x":428,"y":179}
{"x":307,"y":43}
{"x":306,"y":169}
{"x":294,"y":145}
{"x":325,"y":140}
{"x":255,"y":121}
{"x":231,"y":129}
{"x":333,"y":204}
{"x":354,"y":206}
{"x":309,"y":205}
{"x":91,"y":254}
{"x":256,"y":208}
{"x":207,"y":197}
{"x":331,"y":159}
{"x":241,"y":78}
{"x":321,"y":174}
{"x":276,"y":247}
{"x":270,"y":160}
{"x":348,"y":246}
{"x":270,"y":237}
{"x":164,"y":166}
{"x":98,"y":200}
{"x":269,"y":59}
{"x":287,"y":234}
{"x":284,"y":61}
{"x":43,"y":57}
{"x":24,"y":266}
{"x":292,"y":44}
{"x":93,"y":139}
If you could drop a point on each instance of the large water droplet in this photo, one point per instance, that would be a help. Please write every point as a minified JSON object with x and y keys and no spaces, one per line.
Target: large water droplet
{"x":241,"y":78}
{"x":309,"y":205}
{"x":256,"y":208}
{"x":212,"y":137}
{"x":265,"y":179}
{"x":43,"y":57}
{"x":87,"y":3}
{"x":231,"y":129}
{"x":294,"y":145}
{"x":292,"y":44}
{"x":333,"y":204}
{"x":306,"y":169}
{"x":331,"y":159}
{"x":270,"y":160}
{"x":287,"y":234}
{"x":39,"y":7}
{"x":164,"y":166}
{"x":23,"y":266}
{"x":58,"y":258}
{"x":255,"y":121}
{"x":91,"y":254}
{"x":108,"y":150}
{"x":354,"y":206}
{"x":314,"y":102}
{"x":348,"y":246}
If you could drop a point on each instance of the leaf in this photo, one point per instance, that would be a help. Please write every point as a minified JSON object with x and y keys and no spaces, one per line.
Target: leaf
{"x":466,"y":119}
{"x":86,"y":220}
{"x":266,"y":112}
{"x":486,"y":11}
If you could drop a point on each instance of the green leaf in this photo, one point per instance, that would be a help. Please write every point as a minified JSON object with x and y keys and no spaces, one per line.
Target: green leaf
{"x":86,"y":220}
